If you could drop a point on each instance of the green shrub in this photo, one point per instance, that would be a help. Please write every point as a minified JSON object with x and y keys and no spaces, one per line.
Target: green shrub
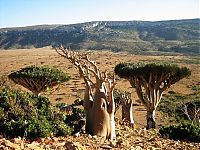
{"x":60,"y":128}
{"x":117,"y":97}
{"x":77,"y":114}
{"x":186,"y":131}
{"x":75,"y":119}
{"x":173,"y":104}
{"x":192,"y":108}
{"x":39,"y":127}
{"x":24,"y":114}
{"x":60,"y":105}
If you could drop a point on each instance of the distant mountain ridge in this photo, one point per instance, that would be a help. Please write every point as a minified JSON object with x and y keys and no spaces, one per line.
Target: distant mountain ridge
{"x":182,"y":36}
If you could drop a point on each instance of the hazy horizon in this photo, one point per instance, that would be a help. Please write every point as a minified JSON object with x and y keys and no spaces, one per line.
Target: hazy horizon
{"x":21,"y":13}
{"x":93,"y":21}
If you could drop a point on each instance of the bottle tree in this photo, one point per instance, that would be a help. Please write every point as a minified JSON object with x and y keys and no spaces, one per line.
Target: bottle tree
{"x":127,"y":109}
{"x":150,"y":81}
{"x":38,"y":79}
{"x":123,"y":98}
{"x":98,"y":99}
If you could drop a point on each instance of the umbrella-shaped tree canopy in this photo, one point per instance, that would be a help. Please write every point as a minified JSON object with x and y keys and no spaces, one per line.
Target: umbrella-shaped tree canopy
{"x":37,"y":78}
{"x":150,"y":80}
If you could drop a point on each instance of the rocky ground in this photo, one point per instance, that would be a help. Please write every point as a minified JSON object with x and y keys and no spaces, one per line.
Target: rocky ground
{"x":134,"y":139}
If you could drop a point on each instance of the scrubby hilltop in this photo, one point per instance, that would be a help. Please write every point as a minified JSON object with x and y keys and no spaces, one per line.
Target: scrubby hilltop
{"x":180,"y":36}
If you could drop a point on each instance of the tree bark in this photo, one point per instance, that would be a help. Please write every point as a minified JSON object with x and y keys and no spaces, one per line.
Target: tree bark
{"x":103,"y":118}
{"x":112,"y":134}
{"x":127,"y":114}
{"x":89,"y":121}
{"x":151,"y":118}
{"x":87,"y":104}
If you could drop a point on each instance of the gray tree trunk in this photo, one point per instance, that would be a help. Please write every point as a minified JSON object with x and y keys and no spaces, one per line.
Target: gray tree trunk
{"x":151,"y":118}
{"x":127,"y":113}
{"x":88,"y":103}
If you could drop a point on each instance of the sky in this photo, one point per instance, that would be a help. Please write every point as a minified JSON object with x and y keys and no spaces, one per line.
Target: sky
{"x":17,"y":13}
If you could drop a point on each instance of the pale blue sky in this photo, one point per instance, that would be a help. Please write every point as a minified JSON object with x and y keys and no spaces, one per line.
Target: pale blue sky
{"x":34,"y":12}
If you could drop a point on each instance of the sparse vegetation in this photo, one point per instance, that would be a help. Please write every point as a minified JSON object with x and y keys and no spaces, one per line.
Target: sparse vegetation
{"x":182,"y":106}
{"x":126,"y":138}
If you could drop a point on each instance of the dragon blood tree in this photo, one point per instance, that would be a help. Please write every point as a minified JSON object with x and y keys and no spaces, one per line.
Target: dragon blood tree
{"x":38,"y":79}
{"x":150,"y":81}
{"x":98,"y":99}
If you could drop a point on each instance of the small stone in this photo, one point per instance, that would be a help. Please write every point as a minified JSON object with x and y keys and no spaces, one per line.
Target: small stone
{"x":60,"y":144}
{"x":94,"y":137}
{"x":153,"y":139}
{"x":74,"y":146}
{"x":55,"y":139}
{"x":17,"y":140}
{"x":158,"y":144}
{"x":119,"y":141}
{"x":113,"y":143}
{"x":105,"y":147}
{"x":136,"y":148}
{"x":33,"y":146}
{"x":77,"y":134}
{"x":88,"y":144}
{"x":11,"y":145}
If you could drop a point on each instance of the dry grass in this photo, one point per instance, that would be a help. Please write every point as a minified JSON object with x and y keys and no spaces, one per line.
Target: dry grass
{"x":12,"y":60}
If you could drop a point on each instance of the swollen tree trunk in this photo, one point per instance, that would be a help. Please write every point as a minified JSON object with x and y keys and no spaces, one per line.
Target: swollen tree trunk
{"x":87,"y":104}
{"x":103,"y":116}
{"x":99,"y":106}
{"x":127,"y":113}
{"x":151,"y":119}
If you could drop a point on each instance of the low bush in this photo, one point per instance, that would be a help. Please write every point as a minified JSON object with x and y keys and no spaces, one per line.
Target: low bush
{"x":24,"y":114}
{"x":181,"y":107}
{"x":185,"y":131}
{"x":77,"y":114}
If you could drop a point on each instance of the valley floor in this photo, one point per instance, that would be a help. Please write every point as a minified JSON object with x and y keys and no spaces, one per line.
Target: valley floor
{"x":12,"y":60}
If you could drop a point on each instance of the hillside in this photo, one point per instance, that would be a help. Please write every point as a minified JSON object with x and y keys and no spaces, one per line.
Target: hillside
{"x":138,"y":37}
